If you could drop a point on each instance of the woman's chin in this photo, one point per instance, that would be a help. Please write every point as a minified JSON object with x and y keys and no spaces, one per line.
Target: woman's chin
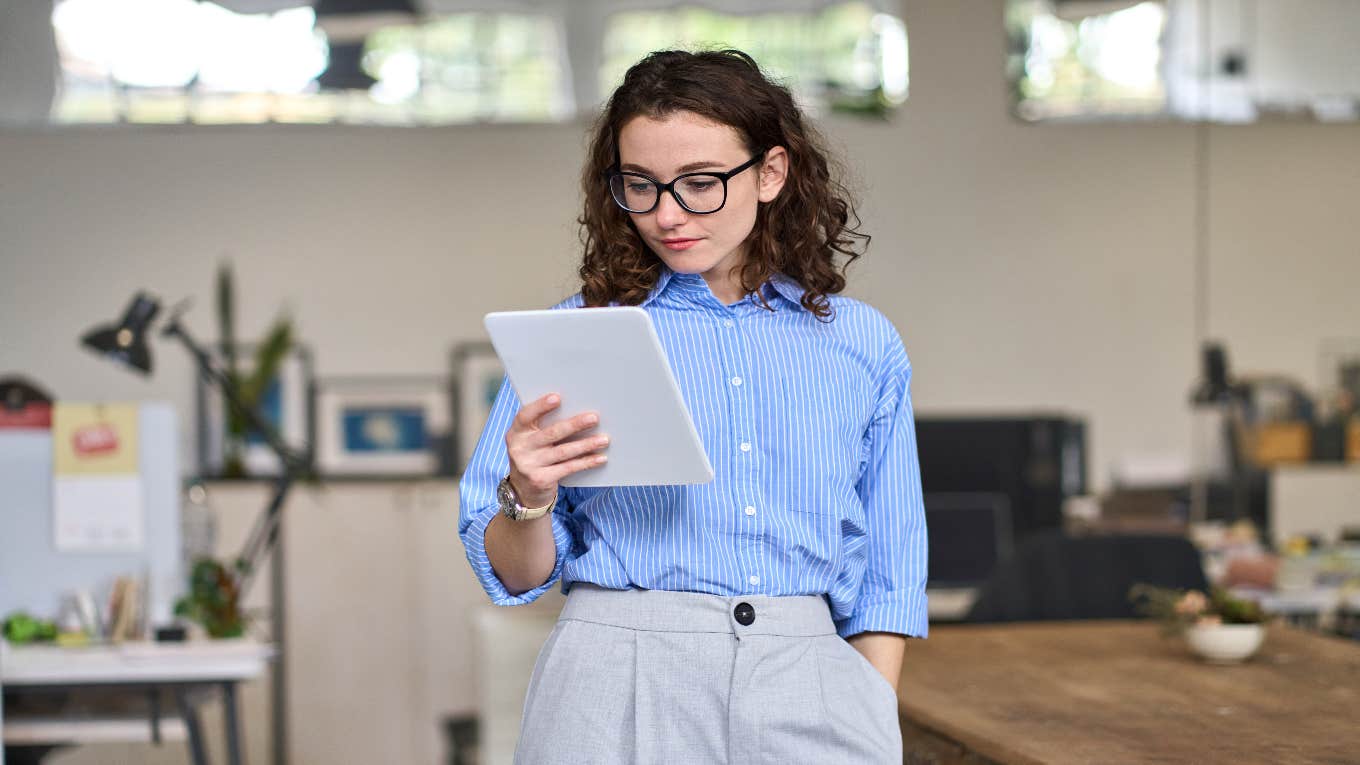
{"x":685,"y":263}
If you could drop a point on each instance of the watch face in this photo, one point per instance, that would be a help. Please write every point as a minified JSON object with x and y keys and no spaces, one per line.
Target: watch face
{"x":505,"y":497}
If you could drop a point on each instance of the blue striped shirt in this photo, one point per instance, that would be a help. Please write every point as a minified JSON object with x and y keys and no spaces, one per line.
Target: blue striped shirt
{"x":809,"y":427}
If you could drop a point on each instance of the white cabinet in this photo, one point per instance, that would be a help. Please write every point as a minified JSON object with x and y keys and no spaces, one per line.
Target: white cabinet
{"x":1314,"y":499}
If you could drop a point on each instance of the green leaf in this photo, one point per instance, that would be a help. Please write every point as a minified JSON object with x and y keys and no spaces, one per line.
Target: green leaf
{"x":226,"y":315}
{"x":268,"y":358}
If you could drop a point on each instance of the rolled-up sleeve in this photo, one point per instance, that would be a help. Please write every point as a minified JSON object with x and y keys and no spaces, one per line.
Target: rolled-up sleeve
{"x":477,"y":497}
{"x":892,"y":597}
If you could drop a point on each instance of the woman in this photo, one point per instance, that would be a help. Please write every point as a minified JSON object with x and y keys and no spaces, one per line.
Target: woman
{"x":761,"y":617}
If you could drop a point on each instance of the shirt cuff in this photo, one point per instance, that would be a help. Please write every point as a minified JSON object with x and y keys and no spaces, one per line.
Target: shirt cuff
{"x":903,"y":612}
{"x":474,"y":541}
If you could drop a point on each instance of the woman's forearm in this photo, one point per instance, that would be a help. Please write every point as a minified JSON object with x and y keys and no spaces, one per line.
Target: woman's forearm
{"x":884,"y":650}
{"x":522,"y":553}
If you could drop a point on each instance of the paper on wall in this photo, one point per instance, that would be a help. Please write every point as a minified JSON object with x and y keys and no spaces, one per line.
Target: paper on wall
{"x":97,"y":491}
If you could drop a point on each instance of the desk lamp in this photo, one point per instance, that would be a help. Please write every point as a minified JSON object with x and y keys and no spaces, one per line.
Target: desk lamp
{"x":126,"y":342}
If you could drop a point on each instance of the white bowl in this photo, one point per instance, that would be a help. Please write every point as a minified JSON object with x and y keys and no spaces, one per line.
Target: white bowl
{"x":1225,"y":643}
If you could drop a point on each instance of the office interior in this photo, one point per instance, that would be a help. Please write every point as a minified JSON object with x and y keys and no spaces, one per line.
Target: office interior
{"x":1138,"y":327}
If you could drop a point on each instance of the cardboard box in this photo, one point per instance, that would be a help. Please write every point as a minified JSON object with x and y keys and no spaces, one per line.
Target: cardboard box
{"x":1279,"y":443}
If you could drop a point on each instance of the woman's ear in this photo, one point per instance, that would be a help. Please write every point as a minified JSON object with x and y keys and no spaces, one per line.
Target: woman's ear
{"x":773,"y":172}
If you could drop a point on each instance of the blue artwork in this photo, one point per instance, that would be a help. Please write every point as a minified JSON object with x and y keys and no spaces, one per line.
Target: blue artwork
{"x":271,"y":410}
{"x":384,"y":429}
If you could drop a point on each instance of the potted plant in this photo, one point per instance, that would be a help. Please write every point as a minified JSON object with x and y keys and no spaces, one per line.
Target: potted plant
{"x":253,"y":387}
{"x":1218,"y":627}
{"x":214,"y":600}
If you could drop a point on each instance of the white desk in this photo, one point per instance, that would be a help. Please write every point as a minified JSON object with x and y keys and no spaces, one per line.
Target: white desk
{"x":139,"y":668}
{"x":950,"y":604}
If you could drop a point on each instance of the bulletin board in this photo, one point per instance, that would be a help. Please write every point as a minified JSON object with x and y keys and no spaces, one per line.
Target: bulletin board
{"x":36,"y":576}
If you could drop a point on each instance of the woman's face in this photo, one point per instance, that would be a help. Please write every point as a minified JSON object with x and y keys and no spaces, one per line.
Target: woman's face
{"x":683,"y":142}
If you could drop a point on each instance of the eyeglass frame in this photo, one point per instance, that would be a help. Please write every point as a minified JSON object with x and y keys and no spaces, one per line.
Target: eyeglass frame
{"x":664,"y":187}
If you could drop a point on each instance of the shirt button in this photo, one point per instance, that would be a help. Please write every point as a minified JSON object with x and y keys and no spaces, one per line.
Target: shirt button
{"x":750,"y":510}
{"x":746,"y":447}
{"x":736,"y":381}
{"x":753,"y":579}
{"x":729,"y":323}
{"x":745,"y":614}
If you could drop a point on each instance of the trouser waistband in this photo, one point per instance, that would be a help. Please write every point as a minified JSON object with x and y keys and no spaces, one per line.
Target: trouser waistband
{"x":666,"y":611}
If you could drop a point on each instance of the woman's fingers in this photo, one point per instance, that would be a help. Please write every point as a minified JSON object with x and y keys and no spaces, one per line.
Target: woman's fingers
{"x":541,"y":457}
{"x":572,"y":449}
{"x":563,"y":469}
{"x":560,"y":431}
{"x":532,"y":412}
{"x":538,"y":483}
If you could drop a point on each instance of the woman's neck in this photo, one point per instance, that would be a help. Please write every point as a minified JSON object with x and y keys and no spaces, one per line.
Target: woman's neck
{"x":725,"y":284}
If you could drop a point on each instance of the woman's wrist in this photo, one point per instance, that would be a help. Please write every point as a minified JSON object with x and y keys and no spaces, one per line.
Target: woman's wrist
{"x":529,"y":498}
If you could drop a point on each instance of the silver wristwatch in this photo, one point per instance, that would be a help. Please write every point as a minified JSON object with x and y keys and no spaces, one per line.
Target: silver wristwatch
{"x":511,"y":507}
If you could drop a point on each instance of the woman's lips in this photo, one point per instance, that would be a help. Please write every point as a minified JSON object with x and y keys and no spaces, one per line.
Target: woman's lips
{"x":680,"y":244}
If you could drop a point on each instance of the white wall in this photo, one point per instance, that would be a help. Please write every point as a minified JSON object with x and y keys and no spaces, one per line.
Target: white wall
{"x":1026,"y":266}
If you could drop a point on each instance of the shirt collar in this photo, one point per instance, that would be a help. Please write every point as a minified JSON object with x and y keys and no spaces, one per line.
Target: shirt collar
{"x":693,"y":284}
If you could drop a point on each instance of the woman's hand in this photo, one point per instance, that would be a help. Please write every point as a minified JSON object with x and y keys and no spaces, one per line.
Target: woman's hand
{"x":539,"y":458}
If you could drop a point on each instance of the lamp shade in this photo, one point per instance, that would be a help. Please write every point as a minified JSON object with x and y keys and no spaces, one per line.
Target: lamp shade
{"x":125,"y":342}
{"x":345,"y":70}
{"x":1214,"y":385}
{"x":352,"y":21}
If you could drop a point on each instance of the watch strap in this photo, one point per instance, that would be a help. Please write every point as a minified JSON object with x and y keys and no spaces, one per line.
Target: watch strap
{"x":514,"y":510}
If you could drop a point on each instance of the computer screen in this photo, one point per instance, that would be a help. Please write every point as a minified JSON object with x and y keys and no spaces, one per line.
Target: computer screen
{"x":969,"y":532}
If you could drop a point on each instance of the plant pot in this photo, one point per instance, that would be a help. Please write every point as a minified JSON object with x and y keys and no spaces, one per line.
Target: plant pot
{"x":1225,"y":643}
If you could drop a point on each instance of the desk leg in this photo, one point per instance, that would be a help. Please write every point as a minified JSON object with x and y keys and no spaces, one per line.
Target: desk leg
{"x":232,"y":722}
{"x":154,"y":701}
{"x":189,"y":713}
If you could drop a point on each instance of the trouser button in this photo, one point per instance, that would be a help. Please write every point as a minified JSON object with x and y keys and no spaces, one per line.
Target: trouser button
{"x":745,"y":614}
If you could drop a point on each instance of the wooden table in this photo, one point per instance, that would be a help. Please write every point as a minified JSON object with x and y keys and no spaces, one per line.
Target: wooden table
{"x":1117,"y":692}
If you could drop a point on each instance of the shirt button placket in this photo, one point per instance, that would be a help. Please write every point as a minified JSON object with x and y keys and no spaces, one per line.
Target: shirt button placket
{"x":733,"y":342}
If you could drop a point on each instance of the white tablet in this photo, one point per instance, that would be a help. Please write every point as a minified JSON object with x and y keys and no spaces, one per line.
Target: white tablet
{"x":606,"y":360}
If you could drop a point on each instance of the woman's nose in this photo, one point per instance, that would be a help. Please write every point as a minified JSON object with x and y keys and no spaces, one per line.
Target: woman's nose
{"x":669,"y":213}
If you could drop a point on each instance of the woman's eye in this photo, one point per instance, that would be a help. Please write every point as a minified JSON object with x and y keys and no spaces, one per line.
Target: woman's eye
{"x":701,"y":185}
{"x":639,"y":188}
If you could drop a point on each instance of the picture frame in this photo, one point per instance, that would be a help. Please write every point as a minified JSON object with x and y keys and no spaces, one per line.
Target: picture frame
{"x":476,"y":380}
{"x":382,"y":426}
{"x":288,"y":405}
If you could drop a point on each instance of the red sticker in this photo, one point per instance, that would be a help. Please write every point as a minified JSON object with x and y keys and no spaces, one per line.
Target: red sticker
{"x":95,"y":440}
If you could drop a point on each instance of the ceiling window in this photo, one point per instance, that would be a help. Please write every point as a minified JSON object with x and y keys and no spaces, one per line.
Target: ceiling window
{"x":183,"y":61}
{"x":424,"y":62}
{"x":846,"y":57}
{"x":1210,"y":60}
{"x":1066,"y":66}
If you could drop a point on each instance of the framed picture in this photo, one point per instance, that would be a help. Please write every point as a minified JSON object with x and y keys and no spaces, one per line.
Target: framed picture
{"x":288,"y":404}
{"x":477,"y":378}
{"x":382,"y":425}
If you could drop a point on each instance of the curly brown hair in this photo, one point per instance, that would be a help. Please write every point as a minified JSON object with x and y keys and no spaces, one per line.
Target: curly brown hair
{"x":800,"y":233}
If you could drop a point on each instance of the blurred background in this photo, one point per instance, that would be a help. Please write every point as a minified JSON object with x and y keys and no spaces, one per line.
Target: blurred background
{"x":1119,"y":240}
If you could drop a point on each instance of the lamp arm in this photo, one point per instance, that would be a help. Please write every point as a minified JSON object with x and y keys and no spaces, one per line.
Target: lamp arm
{"x":264,"y":533}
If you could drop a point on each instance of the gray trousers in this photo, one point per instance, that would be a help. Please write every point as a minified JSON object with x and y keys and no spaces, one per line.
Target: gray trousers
{"x":647,"y":676}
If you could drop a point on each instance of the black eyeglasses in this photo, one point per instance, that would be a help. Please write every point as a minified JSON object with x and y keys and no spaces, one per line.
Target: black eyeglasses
{"x":699,"y":193}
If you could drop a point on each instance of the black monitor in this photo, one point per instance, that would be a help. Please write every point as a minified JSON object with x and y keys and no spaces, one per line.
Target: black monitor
{"x":969,"y":533}
{"x":1035,"y":461}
